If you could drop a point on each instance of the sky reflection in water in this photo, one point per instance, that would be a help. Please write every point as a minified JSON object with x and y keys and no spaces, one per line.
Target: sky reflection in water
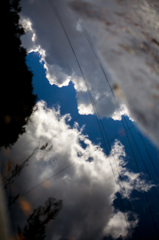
{"x":75,"y":169}
{"x":104,"y":170}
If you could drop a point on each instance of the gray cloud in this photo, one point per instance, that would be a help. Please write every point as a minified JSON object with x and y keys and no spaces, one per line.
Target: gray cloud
{"x":126,"y":38}
{"x":126,"y":41}
{"x":124,"y":46}
{"x":60,"y":64}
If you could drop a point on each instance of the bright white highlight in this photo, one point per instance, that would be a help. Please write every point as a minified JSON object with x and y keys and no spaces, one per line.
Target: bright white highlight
{"x":117,"y":115}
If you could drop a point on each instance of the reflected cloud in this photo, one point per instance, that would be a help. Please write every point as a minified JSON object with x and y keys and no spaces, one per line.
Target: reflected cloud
{"x":123,"y":111}
{"x":128,"y":51}
{"x":126,"y":36}
{"x":54,"y":73}
{"x":87,"y":188}
{"x":59,"y":63}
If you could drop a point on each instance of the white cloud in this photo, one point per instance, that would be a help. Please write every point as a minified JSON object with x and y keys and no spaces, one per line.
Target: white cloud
{"x":54,"y":73}
{"x":87,"y":188}
{"x":79,"y":84}
{"x":29,"y":38}
{"x":123,"y":111}
{"x":117,"y":226}
{"x":56,"y":76}
{"x":84,"y":109}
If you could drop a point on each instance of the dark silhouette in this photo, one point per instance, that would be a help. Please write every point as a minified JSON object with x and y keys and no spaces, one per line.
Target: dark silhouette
{"x":17,"y":170}
{"x":16,"y":92}
{"x":12,"y":199}
{"x":37,"y":221}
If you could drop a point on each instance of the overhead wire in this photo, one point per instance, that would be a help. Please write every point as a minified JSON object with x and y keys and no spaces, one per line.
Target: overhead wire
{"x":55,"y":174}
{"x":110,"y":140}
{"x":144,"y":165}
{"x":101,"y":66}
{"x":118,"y":107}
{"x":79,"y":115}
{"x":93,"y":103}
{"x":88,"y":38}
{"x":148,"y":153}
{"x":91,"y":98}
{"x":96,"y":109}
{"x":72,"y":163}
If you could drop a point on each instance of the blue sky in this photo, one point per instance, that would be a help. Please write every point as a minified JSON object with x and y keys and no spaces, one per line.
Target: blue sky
{"x":107,"y":180}
{"x":65,"y":97}
{"x":89,"y":184}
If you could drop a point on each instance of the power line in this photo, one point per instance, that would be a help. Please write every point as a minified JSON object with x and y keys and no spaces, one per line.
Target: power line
{"x":31,"y":189}
{"x":98,"y":60}
{"x":20,"y":165}
{"x":110,"y":140}
{"x":62,"y":169}
{"x":89,"y":92}
{"x":148,"y":154}
{"x":118,"y":107}
{"x":144,"y":191}
{"x":144,"y":163}
{"x":79,"y":115}
{"x":119,"y":135}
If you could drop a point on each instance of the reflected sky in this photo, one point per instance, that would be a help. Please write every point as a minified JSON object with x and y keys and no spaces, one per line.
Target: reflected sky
{"x":80,"y":145}
{"x":126,"y":59}
{"x":99,"y":182}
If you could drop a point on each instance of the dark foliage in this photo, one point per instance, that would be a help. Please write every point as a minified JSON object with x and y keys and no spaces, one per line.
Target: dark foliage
{"x":16,"y":97}
{"x":17,"y":170}
{"x":37,"y":221}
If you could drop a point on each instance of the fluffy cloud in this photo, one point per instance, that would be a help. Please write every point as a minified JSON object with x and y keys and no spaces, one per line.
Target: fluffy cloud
{"x":87,"y":187}
{"x":118,"y":224}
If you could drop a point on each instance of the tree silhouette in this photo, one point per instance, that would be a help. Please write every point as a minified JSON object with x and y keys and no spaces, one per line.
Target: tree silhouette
{"x":37,"y":221}
{"x":16,"y":91}
{"x":17,"y":170}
